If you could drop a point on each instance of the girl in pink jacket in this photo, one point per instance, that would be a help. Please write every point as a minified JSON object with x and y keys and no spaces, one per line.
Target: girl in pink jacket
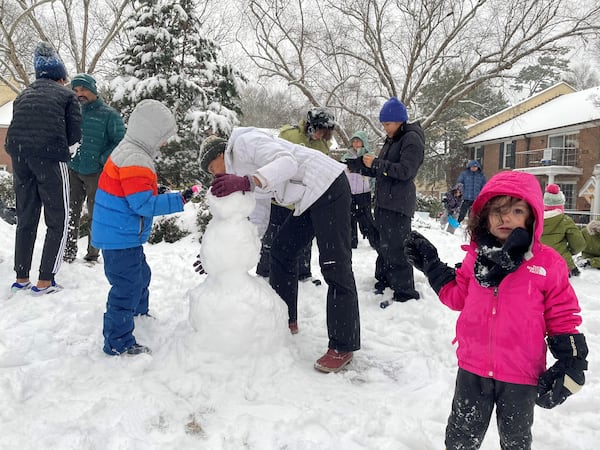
{"x":514,"y":296}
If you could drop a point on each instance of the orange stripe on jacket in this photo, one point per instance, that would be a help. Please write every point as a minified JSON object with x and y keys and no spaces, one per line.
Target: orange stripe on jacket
{"x":123,"y":181}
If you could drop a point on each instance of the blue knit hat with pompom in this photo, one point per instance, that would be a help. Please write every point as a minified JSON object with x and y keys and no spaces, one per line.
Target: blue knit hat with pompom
{"x":393,"y":111}
{"x":47,"y":63}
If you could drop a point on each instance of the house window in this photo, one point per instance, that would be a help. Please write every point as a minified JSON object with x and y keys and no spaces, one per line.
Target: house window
{"x":562,"y":149}
{"x":569,"y":190}
{"x":507,"y":155}
{"x":478,"y":154}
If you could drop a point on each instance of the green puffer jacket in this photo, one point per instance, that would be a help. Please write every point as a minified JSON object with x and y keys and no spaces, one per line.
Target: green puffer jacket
{"x":561,"y":233}
{"x":591,"y":252}
{"x":102,"y":129}
{"x":296,"y":135}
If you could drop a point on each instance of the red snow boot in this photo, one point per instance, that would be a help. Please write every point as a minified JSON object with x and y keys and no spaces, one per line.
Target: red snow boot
{"x":333,"y":361}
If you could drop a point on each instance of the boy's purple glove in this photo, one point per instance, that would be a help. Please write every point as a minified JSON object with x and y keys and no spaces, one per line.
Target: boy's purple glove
{"x":227,"y":183}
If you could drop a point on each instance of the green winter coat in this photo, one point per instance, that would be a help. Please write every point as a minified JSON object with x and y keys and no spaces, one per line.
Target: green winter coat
{"x":561,"y":233}
{"x":296,"y":135}
{"x":102,"y":129}
{"x":591,"y":252}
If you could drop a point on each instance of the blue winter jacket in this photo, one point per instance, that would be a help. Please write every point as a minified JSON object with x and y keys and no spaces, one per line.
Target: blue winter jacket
{"x":472,"y":181}
{"x":127,"y":198}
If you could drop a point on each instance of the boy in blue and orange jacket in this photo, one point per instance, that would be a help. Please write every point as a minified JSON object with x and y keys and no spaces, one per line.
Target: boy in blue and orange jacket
{"x":126,"y":201}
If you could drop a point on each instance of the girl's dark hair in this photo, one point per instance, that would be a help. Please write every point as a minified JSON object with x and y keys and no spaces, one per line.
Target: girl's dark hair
{"x":478,"y":223}
{"x":327,"y":135}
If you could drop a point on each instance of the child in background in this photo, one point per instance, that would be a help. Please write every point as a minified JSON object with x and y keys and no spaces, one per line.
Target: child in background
{"x":127,"y":199}
{"x":590,"y":255}
{"x":452,"y":202}
{"x":360,"y":186}
{"x":513,"y":293}
{"x":560,"y":232}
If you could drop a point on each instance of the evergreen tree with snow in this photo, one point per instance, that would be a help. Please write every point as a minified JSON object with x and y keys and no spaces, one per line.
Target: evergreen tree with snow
{"x":169,"y":60}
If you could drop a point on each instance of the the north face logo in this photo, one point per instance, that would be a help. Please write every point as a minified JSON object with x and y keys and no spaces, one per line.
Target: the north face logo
{"x":537,"y":270}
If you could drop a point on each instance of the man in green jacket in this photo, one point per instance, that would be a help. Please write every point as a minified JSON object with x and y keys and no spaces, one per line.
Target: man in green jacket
{"x":102,"y":129}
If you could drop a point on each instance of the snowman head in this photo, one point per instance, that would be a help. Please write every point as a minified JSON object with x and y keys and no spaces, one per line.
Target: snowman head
{"x":233,"y":206}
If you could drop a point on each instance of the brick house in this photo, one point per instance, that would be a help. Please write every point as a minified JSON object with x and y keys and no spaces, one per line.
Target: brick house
{"x":554,"y":135}
{"x":5,"y":118}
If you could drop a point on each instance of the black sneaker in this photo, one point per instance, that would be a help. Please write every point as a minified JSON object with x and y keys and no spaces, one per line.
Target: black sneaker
{"x":136,"y":349}
{"x":91,"y":258}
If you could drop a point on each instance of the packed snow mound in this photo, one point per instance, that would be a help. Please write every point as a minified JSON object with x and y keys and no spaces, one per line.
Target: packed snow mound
{"x":255,"y":316}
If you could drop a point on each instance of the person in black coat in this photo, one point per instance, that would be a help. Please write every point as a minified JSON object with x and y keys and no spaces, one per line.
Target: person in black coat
{"x":46,"y":122}
{"x":395,"y":196}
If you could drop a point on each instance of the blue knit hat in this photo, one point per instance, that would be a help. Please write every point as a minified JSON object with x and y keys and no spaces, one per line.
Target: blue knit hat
{"x":86,"y":81}
{"x":47,"y":63}
{"x":393,"y":111}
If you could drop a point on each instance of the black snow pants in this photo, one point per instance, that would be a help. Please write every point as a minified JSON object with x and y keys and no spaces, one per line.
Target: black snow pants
{"x":327,"y":219}
{"x":474,"y":400}
{"x":40,"y":182}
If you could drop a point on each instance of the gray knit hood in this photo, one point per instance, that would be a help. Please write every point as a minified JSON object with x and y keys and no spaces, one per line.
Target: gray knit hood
{"x":150,"y":125}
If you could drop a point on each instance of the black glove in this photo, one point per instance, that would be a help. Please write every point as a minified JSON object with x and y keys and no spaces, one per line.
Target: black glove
{"x":424,"y":256}
{"x":566,"y":376}
{"x":198,"y":266}
{"x":355,"y":164}
{"x":163,"y":188}
{"x":191,"y":192}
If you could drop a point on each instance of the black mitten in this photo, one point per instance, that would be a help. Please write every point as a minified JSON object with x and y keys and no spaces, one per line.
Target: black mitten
{"x":423,"y":255}
{"x":198,"y":266}
{"x":495,"y":261}
{"x":566,"y":376}
{"x":355,"y":164}
{"x":517,"y":244}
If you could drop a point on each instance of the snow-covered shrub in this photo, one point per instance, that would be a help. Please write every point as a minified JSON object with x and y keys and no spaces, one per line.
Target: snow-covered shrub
{"x":430,"y":204}
{"x":7,"y":193}
{"x":166,"y":229}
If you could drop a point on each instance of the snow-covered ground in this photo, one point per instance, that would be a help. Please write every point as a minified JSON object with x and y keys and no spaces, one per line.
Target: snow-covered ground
{"x":59,"y":391}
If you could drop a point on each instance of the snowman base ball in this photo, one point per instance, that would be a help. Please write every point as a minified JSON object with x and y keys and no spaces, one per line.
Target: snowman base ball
{"x":232,"y":311}
{"x":242,"y":316}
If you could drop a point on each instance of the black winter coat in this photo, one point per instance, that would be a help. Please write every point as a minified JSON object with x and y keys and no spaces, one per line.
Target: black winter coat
{"x":46,"y":121}
{"x":396,"y":168}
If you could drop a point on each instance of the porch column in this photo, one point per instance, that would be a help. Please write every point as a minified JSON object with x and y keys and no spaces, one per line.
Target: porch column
{"x":596,"y":202}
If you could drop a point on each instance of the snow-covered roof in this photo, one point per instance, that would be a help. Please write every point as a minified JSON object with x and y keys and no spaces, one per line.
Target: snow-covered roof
{"x":6,"y":112}
{"x":563,"y":111}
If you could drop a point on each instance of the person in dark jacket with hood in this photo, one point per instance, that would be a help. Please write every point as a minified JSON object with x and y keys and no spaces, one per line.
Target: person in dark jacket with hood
{"x":102,"y":129}
{"x":46,"y":121}
{"x":394,"y":170}
{"x":472,"y":179}
{"x":452,"y":202}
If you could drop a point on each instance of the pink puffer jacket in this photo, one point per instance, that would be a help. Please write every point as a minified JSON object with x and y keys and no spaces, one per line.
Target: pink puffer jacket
{"x":501,"y":330}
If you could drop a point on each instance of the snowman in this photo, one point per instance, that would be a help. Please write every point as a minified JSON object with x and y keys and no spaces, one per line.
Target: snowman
{"x":232,"y":311}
